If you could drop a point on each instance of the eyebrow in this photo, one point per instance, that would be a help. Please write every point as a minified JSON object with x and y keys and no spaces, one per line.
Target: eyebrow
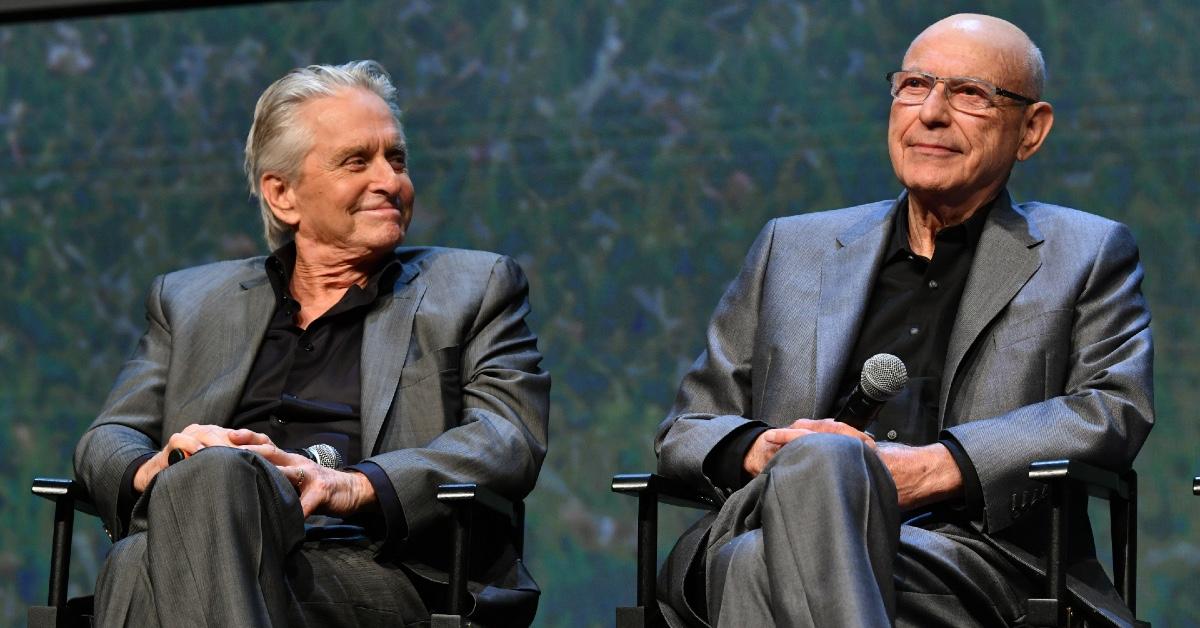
{"x":362,"y":149}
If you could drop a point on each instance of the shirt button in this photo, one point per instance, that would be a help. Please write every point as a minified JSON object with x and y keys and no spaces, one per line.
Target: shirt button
{"x":308,"y":347}
{"x":277,"y":421}
{"x":912,"y":331}
{"x":933,"y":284}
{"x":891,"y":435}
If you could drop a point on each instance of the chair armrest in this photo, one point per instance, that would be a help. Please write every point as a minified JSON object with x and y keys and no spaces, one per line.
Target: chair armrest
{"x":1099,"y":482}
{"x":664,"y":489}
{"x":64,"y":489}
{"x":459,"y":495}
{"x":463,"y":499}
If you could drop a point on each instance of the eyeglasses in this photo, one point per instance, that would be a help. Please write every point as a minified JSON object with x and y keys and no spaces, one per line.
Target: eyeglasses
{"x":964,"y":94}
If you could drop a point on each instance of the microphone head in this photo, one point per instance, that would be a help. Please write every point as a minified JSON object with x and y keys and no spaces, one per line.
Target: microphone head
{"x":325,"y":455}
{"x":883,"y":376}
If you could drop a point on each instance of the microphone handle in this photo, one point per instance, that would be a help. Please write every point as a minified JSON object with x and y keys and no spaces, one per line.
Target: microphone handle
{"x":859,"y":410}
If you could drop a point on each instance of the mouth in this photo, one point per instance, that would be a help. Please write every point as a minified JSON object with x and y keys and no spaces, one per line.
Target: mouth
{"x":381,"y":209}
{"x":936,"y":150}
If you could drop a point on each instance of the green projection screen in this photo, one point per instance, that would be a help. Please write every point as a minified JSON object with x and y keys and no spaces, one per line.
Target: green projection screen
{"x":625,"y":153}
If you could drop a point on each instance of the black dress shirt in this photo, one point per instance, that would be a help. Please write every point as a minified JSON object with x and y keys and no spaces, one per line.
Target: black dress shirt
{"x":910,"y":314}
{"x":304,"y":387}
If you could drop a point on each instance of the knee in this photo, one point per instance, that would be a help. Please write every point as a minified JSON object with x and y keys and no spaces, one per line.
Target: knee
{"x":127,"y":556}
{"x":210,"y":467}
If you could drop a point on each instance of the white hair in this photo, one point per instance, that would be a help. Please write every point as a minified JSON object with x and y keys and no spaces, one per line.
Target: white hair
{"x":1036,"y":71}
{"x":278,"y":141}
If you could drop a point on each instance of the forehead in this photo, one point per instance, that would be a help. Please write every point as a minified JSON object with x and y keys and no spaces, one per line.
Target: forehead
{"x":958,"y":53}
{"x":350,"y":116}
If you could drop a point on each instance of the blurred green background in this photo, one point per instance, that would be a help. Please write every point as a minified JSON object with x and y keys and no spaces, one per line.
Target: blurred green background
{"x":624,"y":152}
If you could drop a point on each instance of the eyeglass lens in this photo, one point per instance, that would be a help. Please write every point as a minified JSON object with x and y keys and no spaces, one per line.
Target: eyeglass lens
{"x":963,"y":93}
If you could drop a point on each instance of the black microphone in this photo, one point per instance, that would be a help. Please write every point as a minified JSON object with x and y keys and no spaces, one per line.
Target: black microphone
{"x":883,"y":376}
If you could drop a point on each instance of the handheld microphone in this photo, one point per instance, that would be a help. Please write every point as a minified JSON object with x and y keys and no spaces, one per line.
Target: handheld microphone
{"x":883,"y":376}
{"x":325,"y":455}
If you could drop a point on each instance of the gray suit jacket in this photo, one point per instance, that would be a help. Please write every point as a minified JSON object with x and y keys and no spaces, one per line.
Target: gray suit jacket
{"x":452,"y":390}
{"x":1050,"y":355}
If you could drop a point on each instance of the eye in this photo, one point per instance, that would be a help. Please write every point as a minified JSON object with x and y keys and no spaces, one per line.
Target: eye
{"x":355,"y":162}
{"x":973,"y":91}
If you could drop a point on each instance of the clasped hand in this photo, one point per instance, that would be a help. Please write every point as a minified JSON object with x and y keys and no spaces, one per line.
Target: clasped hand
{"x":322,"y":490}
{"x":922,"y":475}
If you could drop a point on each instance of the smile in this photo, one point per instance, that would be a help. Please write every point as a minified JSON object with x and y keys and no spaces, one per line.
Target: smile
{"x":936,"y":150}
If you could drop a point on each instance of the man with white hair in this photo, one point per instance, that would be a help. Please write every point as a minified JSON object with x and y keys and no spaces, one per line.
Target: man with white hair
{"x":1025,"y":336}
{"x":415,"y":364}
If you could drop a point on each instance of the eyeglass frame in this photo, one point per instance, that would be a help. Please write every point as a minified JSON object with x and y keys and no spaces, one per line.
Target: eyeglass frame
{"x":996,"y":89}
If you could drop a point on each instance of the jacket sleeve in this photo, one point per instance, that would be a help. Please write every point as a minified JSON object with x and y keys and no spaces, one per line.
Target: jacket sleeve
{"x":501,"y":437}
{"x":1106,"y":407}
{"x":714,"y":399}
{"x":130,"y":423}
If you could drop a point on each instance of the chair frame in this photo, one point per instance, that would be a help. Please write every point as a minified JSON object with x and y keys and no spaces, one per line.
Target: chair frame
{"x":464,"y":500}
{"x":1056,"y":608}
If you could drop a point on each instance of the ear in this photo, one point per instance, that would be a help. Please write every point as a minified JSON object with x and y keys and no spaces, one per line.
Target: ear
{"x":1039,"y":118}
{"x":280,"y":197}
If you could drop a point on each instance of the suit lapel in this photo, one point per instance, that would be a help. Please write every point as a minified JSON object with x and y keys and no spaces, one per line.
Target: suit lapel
{"x":846,"y":280}
{"x":386,"y":336}
{"x":1005,"y":259}
{"x":240,"y":336}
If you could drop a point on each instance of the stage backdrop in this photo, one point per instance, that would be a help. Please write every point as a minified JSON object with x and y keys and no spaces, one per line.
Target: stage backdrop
{"x":625,"y":153}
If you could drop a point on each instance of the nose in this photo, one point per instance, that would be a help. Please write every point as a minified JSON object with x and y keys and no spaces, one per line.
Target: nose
{"x":385,"y":179}
{"x":935,"y":111}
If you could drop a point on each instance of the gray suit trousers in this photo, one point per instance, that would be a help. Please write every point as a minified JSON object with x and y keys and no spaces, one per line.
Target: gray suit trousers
{"x":816,"y":540}
{"x":219,"y":540}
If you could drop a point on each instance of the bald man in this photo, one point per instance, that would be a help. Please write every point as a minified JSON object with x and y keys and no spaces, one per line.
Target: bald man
{"x":1025,"y":336}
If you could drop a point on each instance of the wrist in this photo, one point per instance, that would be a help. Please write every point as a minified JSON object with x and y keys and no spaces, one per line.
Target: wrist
{"x":364,"y":491}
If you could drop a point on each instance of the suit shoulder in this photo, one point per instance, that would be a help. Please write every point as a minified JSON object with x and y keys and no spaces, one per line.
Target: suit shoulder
{"x":833,"y":220}
{"x":1052,"y":219}
{"x":199,"y":279}
{"x":436,"y":262}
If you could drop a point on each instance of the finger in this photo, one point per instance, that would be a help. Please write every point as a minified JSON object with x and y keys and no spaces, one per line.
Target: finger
{"x":248,"y":437}
{"x":186,"y":443}
{"x":275,"y":455}
{"x":785,"y":435}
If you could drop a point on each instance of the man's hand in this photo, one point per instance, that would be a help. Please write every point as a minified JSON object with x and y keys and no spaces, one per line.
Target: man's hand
{"x":771,"y":441}
{"x":322,"y":490}
{"x":193,"y":438}
{"x":923,"y":475}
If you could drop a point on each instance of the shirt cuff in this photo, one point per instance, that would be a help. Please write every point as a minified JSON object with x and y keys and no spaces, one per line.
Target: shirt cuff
{"x":724,"y":465}
{"x":972,"y":488}
{"x":128,"y":496}
{"x":395,"y":525}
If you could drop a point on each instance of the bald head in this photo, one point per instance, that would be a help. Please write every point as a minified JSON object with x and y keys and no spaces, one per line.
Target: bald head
{"x":1019,"y":60}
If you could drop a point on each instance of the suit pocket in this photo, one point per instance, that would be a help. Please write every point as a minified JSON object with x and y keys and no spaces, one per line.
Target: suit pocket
{"x":1053,"y":322}
{"x":444,"y":360}
{"x":431,"y":395}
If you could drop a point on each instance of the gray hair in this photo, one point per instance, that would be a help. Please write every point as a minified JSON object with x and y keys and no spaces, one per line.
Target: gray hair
{"x":1035,"y":66}
{"x":278,"y":142}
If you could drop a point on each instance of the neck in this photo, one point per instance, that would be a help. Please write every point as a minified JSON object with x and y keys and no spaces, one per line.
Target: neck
{"x":322,"y":276}
{"x":928,"y":215}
